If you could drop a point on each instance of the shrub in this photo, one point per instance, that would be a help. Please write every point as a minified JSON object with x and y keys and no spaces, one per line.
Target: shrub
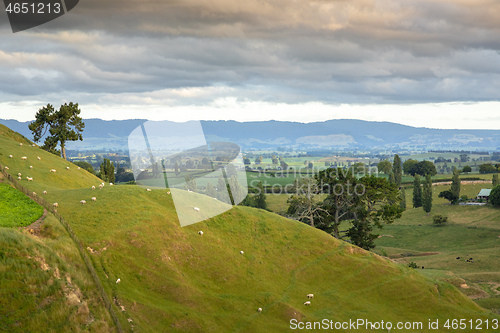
{"x":412,"y":265}
{"x":439,"y":219}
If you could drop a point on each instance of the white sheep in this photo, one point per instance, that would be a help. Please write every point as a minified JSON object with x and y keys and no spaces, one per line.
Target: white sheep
{"x":101,"y":186}
{"x":30,"y":179}
{"x":118,"y":281}
{"x":168,"y":192}
{"x":21,"y":144}
{"x":24,"y":158}
{"x":78,"y":168}
{"x":67,"y":168}
{"x":44,"y":192}
{"x":31,"y":167}
{"x":310,"y":295}
{"x":200,"y":233}
{"x":241,"y":252}
{"x":10,"y":156}
{"x":110,"y":184}
{"x":55,"y":204}
{"x":38,"y":157}
{"x":83,"y":202}
{"x":19,"y":174}
{"x":94,"y":199}
{"x":6,"y":168}
{"x":34,"y":194}
{"x":259,"y":309}
{"x":307,"y":303}
{"x":19,"y":178}
{"x":196,"y":209}
{"x":53,"y":170}
{"x":33,"y":145}
{"x":93,"y":187}
{"x":148,"y":190}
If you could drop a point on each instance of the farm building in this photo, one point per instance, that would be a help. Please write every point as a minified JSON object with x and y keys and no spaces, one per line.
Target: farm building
{"x":484,"y":194}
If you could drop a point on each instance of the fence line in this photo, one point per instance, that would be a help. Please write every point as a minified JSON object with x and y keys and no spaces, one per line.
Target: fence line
{"x":73,"y":236}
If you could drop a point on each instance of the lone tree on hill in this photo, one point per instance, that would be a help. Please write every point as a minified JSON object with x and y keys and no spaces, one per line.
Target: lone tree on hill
{"x":63,"y":125}
{"x":417,"y":192}
{"x":427,"y":194}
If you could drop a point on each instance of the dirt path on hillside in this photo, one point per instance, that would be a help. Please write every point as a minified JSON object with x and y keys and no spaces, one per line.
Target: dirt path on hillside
{"x":34,"y":228}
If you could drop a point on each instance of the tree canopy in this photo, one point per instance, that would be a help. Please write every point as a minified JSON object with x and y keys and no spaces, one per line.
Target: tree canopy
{"x":495,"y":196}
{"x":423,"y":168}
{"x":384,"y":166}
{"x":62,"y":125}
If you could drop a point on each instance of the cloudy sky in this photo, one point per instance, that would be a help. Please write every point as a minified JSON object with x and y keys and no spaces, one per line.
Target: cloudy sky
{"x":425,"y":63}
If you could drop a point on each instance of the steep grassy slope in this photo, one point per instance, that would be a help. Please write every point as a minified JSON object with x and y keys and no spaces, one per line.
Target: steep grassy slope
{"x":173,"y":279}
{"x":44,"y":284}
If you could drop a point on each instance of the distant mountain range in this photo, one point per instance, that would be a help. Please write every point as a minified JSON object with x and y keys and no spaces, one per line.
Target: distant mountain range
{"x":332,"y":134}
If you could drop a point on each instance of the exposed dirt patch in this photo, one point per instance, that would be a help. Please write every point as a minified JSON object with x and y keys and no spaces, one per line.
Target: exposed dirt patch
{"x":43,"y":264}
{"x":355,"y":250}
{"x":385,"y":236}
{"x":96,"y":246}
{"x":34,"y":228}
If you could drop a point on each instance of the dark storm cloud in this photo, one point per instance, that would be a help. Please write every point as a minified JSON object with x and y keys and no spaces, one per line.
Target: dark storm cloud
{"x":341,"y":51}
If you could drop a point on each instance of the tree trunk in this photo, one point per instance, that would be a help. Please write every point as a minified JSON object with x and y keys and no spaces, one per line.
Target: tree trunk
{"x":63,"y":150}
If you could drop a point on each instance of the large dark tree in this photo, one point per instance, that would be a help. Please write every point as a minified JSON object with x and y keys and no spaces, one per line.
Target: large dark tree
{"x":63,"y":125}
{"x":378,"y":205}
{"x":365,"y":203}
{"x":339,"y":184}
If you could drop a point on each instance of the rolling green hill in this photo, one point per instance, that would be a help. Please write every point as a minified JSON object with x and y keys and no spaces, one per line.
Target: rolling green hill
{"x":174,"y":280}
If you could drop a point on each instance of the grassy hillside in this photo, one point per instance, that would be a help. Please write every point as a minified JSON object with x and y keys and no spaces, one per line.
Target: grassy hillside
{"x":471,"y":232}
{"x":173,"y":279}
{"x":17,"y":209}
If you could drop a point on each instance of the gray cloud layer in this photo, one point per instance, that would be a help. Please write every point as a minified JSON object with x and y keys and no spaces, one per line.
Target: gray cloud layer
{"x":358,"y":51}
